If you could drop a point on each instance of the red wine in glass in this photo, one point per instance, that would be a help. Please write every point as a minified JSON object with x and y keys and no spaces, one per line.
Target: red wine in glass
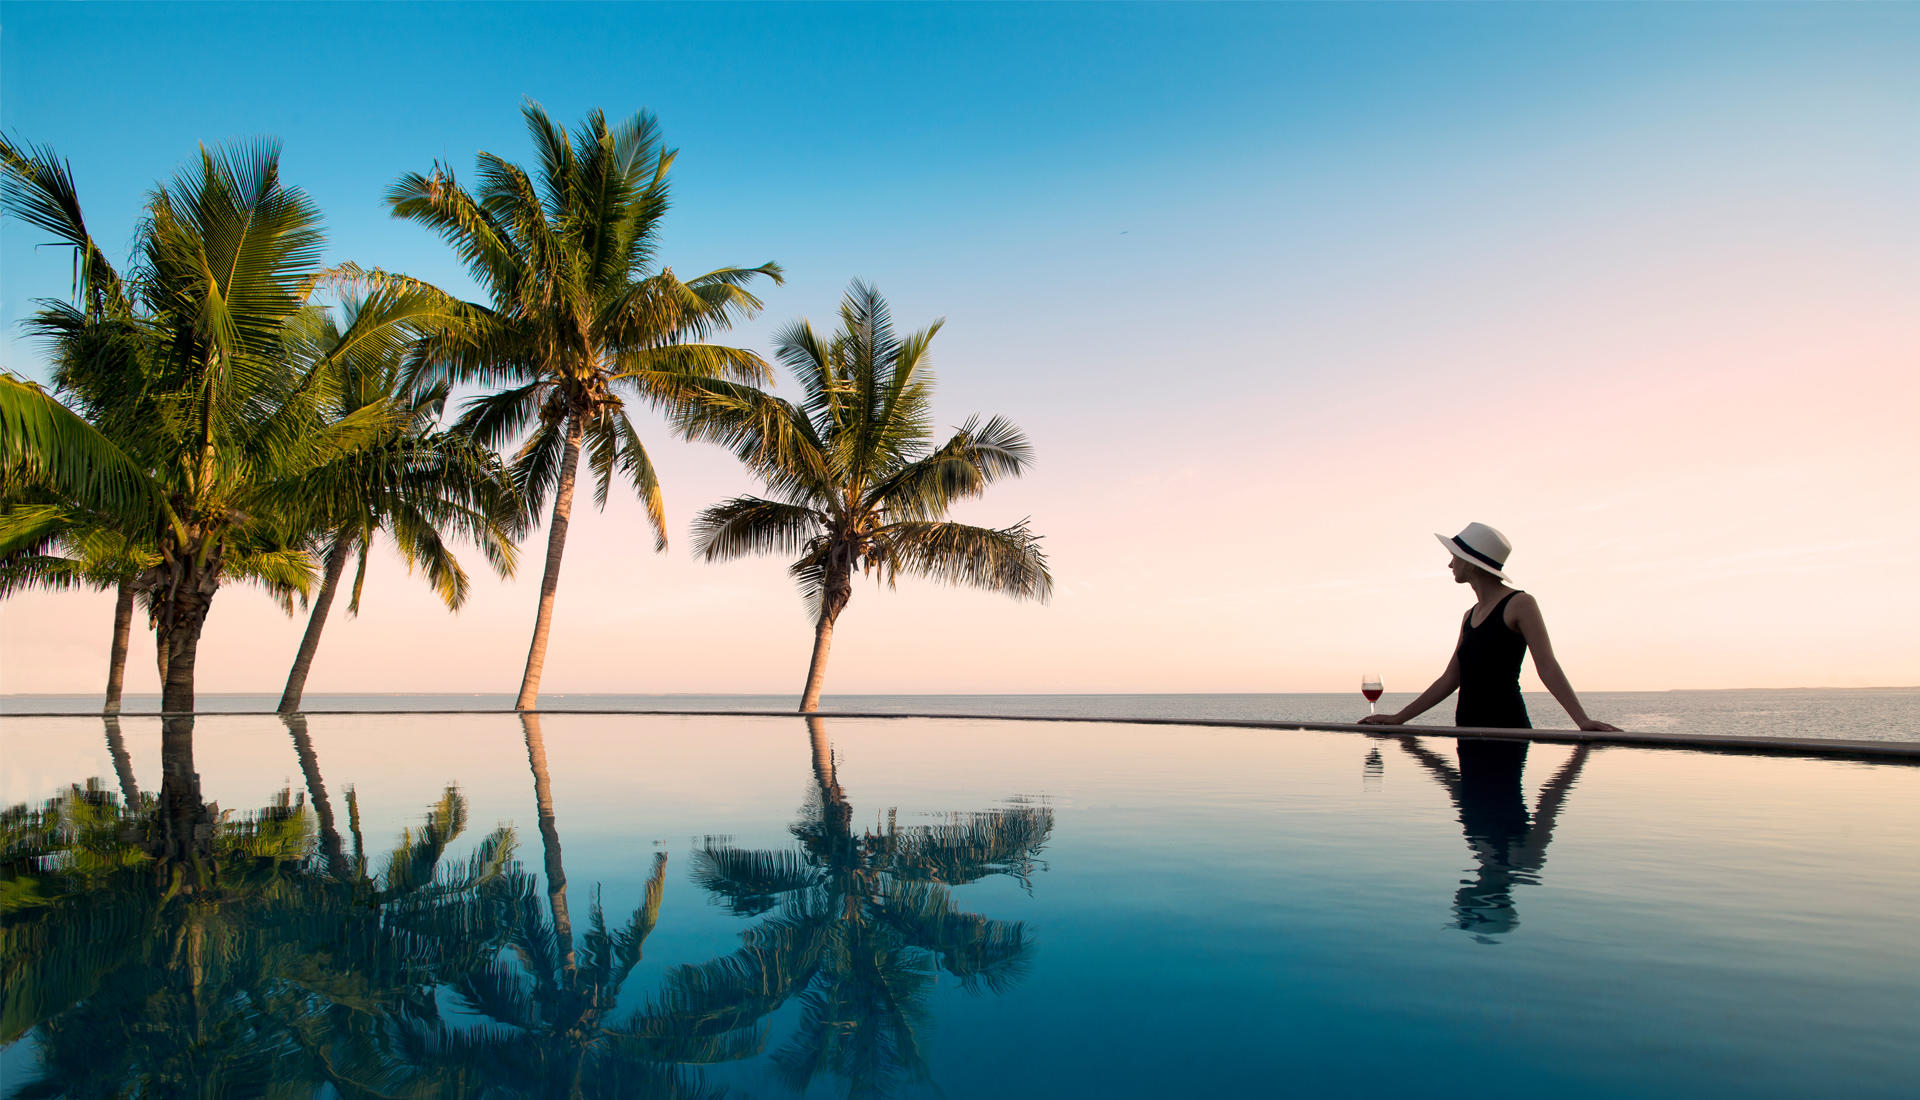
{"x":1370,"y":687}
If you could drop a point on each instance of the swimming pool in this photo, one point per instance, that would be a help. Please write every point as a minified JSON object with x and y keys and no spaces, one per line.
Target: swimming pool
{"x":677,"y":906}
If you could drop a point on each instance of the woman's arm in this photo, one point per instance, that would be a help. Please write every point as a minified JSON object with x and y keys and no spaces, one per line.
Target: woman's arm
{"x":1443,"y":687}
{"x":1526,"y":618}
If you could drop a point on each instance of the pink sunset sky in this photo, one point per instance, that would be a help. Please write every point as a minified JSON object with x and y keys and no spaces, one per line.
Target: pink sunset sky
{"x":1645,"y":295}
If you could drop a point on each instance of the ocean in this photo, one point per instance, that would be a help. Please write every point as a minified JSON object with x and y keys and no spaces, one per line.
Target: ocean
{"x":1866,"y":714}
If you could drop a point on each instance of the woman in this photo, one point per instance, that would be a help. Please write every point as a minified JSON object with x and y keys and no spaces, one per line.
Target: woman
{"x":1495,"y":635}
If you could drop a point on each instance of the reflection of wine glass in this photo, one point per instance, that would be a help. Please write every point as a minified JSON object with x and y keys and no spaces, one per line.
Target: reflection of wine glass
{"x":1370,"y":687}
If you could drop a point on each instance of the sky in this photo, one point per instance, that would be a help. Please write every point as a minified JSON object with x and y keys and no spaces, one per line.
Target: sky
{"x":1277,"y":291}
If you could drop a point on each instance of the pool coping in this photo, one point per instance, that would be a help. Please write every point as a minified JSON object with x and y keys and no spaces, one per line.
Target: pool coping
{"x":1883,"y":751}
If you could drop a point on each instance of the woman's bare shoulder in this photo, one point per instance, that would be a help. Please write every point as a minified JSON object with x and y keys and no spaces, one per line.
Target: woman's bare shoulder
{"x":1521,"y":606}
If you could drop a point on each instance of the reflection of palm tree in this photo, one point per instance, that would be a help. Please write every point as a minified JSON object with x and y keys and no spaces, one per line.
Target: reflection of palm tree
{"x":551,"y":1001}
{"x":167,"y":947}
{"x":122,"y":764}
{"x":1510,"y":845}
{"x":859,"y":925}
{"x":330,"y":847}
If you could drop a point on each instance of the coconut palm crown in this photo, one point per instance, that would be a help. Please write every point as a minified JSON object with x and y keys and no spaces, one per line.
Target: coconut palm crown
{"x":578,"y":320}
{"x":857,"y":482}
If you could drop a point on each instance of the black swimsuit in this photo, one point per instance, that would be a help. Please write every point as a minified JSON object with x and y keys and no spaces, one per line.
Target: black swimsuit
{"x":1490,"y":656}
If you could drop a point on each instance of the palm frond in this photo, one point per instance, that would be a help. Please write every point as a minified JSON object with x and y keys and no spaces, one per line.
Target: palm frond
{"x":723,"y":297}
{"x":900,"y":417}
{"x":1006,"y":560}
{"x":634,"y":464}
{"x":386,"y":320}
{"x":750,"y":525}
{"x":813,"y":362}
{"x":31,"y":526}
{"x":359,"y":576}
{"x":962,"y":467}
{"x":422,"y":547}
{"x":437,"y":201}
{"x":287,"y":573}
{"x":495,"y":420}
{"x":535,"y":471}
{"x":43,"y":572}
{"x":37,"y":187}
{"x":809,"y":575}
{"x":600,"y":446}
{"x":46,"y":443}
{"x":768,"y":434}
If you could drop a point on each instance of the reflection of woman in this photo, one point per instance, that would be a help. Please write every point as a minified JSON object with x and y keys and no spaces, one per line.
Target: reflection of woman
{"x":1509,"y":844}
{"x":1495,"y":635}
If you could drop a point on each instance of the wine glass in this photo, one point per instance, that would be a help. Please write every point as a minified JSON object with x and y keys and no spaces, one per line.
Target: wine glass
{"x":1370,"y":687}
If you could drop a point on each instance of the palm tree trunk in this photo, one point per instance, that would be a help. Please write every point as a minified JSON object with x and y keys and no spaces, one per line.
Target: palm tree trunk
{"x":117,"y":657}
{"x":181,"y":641}
{"x":834,"y":595}
{"x":817,"y":668}
{"x":550,"y":580}
{"x":549,"y":839}
{"x":316,"y":622}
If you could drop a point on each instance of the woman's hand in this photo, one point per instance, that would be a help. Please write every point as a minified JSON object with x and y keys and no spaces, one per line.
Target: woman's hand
{"x":1594,"y":725}
{"x":1382,"y":720}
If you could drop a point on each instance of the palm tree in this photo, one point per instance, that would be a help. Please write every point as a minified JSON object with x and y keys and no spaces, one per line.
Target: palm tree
{"x":578,"y":322}
{"x":43,"y":547}
{"x":445,"y":482}
{"x":209,"y":430}
{"x":856,"y":480}
{"x":860,"y":923}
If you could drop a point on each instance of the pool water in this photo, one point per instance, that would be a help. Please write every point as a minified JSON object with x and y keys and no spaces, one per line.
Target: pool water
{"x":594,"y":905}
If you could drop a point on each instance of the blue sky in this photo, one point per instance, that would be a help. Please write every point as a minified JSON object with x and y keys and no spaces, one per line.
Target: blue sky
{"x":845,"y":139}
{"x":1207,"y":255}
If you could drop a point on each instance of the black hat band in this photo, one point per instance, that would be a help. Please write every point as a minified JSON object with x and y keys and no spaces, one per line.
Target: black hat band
{"x":1476,"y":555}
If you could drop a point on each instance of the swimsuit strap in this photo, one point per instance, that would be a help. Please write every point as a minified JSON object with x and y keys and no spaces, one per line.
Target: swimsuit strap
{"x":1497,"y":609}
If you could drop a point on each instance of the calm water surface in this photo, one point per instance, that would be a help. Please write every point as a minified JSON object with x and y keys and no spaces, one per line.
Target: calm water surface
{"x":678,"y":906}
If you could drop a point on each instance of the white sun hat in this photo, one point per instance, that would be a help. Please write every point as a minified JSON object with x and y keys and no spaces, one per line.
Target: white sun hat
{"x":1480,"y":546}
